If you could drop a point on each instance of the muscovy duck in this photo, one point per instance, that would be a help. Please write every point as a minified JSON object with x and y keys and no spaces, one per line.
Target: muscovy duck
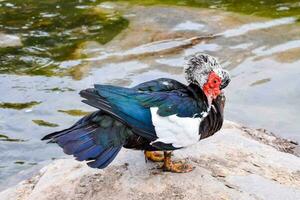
{"x":157,"y":116}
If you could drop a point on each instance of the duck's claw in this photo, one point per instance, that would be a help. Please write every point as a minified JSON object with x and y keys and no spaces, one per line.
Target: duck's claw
{"x":176,"y":167}
{"x":155,"y":156}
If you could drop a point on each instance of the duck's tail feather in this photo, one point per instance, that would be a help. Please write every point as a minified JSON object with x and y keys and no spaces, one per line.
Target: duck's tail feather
{"x":91,"y":139}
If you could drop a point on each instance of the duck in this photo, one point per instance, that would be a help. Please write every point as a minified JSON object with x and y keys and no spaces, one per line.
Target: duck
{"x":157,"y":117}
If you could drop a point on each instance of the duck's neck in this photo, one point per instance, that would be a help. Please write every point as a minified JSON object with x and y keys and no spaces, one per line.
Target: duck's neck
{"x":199,"y":94}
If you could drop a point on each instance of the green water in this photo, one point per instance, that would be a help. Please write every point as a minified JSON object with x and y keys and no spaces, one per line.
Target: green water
{"x":268,"y":8}
{"x":52,"y":30}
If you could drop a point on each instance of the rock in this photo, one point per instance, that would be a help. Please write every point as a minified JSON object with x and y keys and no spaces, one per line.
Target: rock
{"x":9,"y":40}
{"x":236,"y":163}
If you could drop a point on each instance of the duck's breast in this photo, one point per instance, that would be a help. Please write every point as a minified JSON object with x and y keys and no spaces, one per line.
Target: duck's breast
{"x":178,"y":131}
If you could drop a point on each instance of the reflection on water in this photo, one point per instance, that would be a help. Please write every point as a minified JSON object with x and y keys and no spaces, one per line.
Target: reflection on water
{"x":263,"y":51}
{"x":244,"y":29}
{"x":259,"y":82}
{"x":51,"y":31}
{"x":262,"y":55}
{"x":266,"y":8}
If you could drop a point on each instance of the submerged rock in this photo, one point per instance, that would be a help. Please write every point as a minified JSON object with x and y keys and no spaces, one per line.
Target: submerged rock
{"x":236,"y":163}
{"x":9,"y":40}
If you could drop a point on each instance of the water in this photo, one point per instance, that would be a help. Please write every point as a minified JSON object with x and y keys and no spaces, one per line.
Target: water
{"x":51,"y":53}
{"x":51,"y":32}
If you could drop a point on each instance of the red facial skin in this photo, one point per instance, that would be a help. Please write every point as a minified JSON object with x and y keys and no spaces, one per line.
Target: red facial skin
{"x":212,"y":87}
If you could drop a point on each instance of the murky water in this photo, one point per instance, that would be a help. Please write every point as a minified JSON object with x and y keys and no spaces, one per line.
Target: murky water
{"x":49,"y":53}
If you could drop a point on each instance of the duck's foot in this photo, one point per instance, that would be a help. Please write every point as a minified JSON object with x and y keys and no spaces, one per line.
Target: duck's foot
{"x":176,"y":167}
{"x":155,"y":156}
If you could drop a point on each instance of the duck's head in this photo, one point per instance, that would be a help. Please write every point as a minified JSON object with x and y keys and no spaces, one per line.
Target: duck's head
{"x":206,"y":72}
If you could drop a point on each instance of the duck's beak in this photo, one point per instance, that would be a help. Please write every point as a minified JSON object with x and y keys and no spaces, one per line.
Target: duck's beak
{"x":225,"y":79}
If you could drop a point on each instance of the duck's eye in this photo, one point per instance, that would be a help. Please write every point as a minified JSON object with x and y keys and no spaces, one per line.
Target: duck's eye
{"x":215,"y":81}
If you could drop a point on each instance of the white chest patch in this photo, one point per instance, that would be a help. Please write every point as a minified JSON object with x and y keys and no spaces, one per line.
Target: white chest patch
{"x":179,"y":131}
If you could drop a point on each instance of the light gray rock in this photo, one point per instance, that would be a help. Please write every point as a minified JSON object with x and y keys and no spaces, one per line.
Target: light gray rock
{"x":236,"y":163}
{"x":9,"y":40}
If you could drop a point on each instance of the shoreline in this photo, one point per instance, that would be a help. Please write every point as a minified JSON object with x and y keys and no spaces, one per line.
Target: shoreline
{"x":236,"y":163}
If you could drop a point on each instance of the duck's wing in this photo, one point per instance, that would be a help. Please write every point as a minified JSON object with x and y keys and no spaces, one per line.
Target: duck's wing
{"x":119,"y":103}
{"x":171,"y":98}
{"x":132,"y":106}
{"x":160,"y":85}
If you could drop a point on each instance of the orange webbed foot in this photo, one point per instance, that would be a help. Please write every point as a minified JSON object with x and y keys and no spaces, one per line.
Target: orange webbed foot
{"x":175,"y":166}
{"x":155,"y":156}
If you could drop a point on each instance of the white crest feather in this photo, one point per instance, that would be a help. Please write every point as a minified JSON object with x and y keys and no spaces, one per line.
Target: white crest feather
{"x":198,"y":66}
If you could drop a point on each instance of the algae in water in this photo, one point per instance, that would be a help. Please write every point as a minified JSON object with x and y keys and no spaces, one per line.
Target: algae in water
{"x":19,"y":106}
{"x":44,"y":123}
{"x":74,"y":112}
{"x":8,"y":139}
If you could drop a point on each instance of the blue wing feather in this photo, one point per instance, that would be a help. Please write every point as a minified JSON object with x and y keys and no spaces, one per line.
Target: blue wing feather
{"x":133,"y":104}
{"x":123,"y":100}
{"x":170,"y":96}
{"x":105,"y":158}
{"x":128,"y":109}
{"x":88,"y":153}
{"x":159,"y":85}
{"x":96,"y":138}
{"x":73,"y":147}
